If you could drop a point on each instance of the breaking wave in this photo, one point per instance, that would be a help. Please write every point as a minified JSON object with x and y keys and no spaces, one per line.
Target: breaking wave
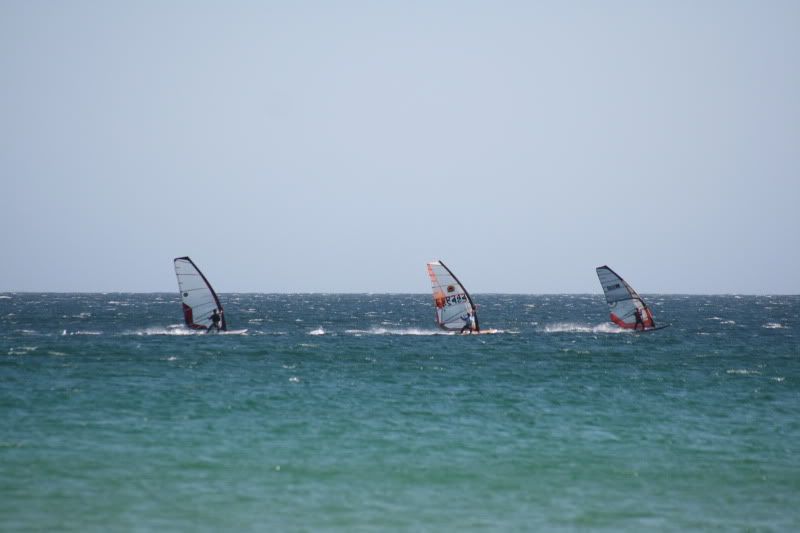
{"x":22,"y":350}
{"x":743,"y":372}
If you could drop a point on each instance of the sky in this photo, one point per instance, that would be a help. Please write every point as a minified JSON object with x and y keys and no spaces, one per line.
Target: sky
{"x":339,"y":146}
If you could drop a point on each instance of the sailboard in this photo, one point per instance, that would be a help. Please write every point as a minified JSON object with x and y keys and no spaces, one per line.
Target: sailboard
{"x":624,"y":302}
{"x":452,"y":303}
{"x":198,"y":297}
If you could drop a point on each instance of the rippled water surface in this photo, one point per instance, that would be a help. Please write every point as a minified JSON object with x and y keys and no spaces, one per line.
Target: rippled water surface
{"x":353,"y":413}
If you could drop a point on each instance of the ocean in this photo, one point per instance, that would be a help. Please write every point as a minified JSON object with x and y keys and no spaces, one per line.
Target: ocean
{"x":351,"y":412}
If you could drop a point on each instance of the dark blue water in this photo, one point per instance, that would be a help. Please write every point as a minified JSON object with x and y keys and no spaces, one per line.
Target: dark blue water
{"x":352,"y":413}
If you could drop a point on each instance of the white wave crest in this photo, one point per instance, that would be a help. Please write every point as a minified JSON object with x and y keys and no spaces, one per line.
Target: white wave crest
{"x":22,"y":350}
{"x":318,"y":331}
{"x":81,"y":332}
{"x":773,"y":325}
{"x":571,"y":327}
{"x":743,"y":371}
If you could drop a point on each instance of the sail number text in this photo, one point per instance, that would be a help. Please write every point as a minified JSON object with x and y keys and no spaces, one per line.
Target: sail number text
{"x":455,"y":299}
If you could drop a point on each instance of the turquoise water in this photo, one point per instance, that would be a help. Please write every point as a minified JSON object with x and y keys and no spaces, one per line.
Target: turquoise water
{"x":351,"y":413}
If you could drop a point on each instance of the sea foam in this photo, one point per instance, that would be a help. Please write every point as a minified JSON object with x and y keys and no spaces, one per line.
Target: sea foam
{"x":572,"y":327}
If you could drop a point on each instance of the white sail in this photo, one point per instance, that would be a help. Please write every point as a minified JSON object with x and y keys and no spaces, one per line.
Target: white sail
{"x":451,"y":300}
{"x":199,"y":299}
{"x":623,"y":301}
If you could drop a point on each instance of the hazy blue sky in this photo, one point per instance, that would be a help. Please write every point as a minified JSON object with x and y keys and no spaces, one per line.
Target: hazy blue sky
{"x":339,"y":146}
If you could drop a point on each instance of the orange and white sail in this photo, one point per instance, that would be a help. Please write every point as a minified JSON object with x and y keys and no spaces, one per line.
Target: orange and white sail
{"x":451,"y":300}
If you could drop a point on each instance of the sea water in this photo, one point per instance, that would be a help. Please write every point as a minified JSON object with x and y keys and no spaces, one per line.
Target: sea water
{"x":354,"y":413}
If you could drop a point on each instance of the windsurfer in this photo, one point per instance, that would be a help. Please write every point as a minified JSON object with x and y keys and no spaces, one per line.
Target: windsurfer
{"x":215,"y":319}
{"x":638,"y":316}
{"x":469,"y":327}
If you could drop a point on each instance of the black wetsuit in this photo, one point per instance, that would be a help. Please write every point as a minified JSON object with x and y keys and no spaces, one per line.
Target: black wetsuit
{"x":638,"y":315}
{"x":215,"y":319}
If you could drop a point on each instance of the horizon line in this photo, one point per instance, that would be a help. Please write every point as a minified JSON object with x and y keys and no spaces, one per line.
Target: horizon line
{"x":410,"y":293}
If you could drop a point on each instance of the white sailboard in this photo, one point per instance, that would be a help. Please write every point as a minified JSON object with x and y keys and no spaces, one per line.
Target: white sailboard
{"x":198,"y":297}
{"x":624,"y":302}
{"x":452,"y":302}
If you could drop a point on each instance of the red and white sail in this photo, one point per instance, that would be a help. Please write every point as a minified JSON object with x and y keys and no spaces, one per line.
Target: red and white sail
{"x":623,"y":301}
{"x":198,"y":297}
{"x":451,"y":300}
